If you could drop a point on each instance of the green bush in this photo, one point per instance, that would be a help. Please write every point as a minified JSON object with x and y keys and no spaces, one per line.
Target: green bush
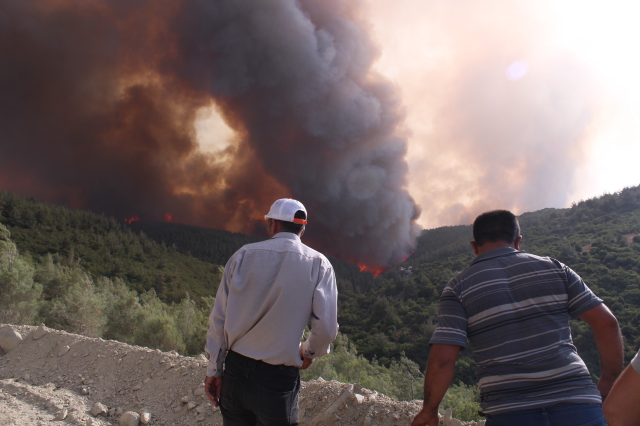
{"x":19,"y":294}
{"x":402,"y":380}
{"x":156,"y":326}
{"x":464,"y":401}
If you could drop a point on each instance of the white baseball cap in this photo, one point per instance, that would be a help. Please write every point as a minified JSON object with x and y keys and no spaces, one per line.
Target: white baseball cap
{"x":285,"y":209}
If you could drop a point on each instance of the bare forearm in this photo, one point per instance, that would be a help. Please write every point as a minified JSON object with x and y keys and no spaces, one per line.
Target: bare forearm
{"x":606,"y":332}
{"x":440,"y":369}
{"x":610,"y":346}
{"x":611,"y":351}
{"x":622,"y":407}
{"x":439,"y":375}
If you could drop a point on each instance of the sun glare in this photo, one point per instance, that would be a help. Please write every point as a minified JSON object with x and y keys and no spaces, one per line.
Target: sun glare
{"x":213,"y":134}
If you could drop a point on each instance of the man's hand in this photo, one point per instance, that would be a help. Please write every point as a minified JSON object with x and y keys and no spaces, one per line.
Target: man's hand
{"x":306,"y":362}
{"x":213,"y":389}
{"x":426,"y":418}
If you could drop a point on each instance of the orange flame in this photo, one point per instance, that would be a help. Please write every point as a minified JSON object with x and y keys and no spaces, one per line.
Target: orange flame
{"x":168,"y":217}
{"x":375,"y":270}
{"x":131,"y":219}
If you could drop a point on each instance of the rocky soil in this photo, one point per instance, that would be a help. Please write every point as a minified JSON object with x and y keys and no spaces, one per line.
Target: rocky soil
{"x":50,"y":377}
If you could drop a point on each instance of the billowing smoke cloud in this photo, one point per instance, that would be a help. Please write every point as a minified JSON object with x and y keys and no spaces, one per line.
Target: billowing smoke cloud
{"x":500,"y":111}
{"x":98,"y":101}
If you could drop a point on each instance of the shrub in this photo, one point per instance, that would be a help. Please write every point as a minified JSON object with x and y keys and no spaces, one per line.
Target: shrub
{"x":464,"y":402}
{"x":19,"y":295}
{"x":156,"y":327}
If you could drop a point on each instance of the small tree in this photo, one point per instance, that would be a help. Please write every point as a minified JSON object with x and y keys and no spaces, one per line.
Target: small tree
{"x":19,"y":295}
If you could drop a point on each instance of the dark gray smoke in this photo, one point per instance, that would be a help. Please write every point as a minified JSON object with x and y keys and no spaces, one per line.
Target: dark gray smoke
{"x":98,"y":101}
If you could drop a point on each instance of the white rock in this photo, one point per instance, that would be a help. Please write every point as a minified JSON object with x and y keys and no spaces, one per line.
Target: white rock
{"x":200,"y":417}
{"x":185,"y":399}
{"x":130,"y":418}
{"x":359,"y":399}
{"x":199,"y":391}
{"x":201,"y":408}
{"x":62,"y":414}
{"x":40,"y":332}
{"x":137,"y":387}
{"x":84,"y":391}
{"x":119,"y":411}
{"x":448,"y":415}
{"x":147,"y":380}
{"x":145,"y":417}
{"x":98,"y":409}
{"x":452,"y":422}
{"x":64,"y":350}
{"x":9,"y":339}
{"x":177,"y":409}
{"x":191,"y":405}
{"x":481,"y":422}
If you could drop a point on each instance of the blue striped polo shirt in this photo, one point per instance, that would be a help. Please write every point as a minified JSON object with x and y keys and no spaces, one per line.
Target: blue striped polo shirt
{"x":514,"y":309}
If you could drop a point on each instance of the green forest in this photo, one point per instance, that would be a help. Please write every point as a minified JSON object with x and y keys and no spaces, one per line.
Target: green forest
{"x":153,"y":284}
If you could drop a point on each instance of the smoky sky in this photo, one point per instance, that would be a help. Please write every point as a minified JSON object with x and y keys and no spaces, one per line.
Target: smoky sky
{"x":502,"y":114}
{"x":98,"y":101}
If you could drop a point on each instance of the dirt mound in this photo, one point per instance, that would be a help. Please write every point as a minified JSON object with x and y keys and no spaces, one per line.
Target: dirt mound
{"x":53,"y":377}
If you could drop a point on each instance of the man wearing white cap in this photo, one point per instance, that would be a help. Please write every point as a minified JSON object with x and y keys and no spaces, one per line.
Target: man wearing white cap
{"x":268,"y":294}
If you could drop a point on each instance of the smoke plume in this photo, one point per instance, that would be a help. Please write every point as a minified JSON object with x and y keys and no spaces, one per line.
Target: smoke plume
{"x":502,"y":114}
{"x":98,"y":101}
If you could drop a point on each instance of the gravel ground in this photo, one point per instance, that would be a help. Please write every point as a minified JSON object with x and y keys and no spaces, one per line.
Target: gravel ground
{"x":58,"y":379}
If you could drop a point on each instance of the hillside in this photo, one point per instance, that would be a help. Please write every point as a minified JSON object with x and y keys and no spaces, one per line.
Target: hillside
{"x":599,"y":238}
{"x":383,"y":318}
{"x":105,"y":248}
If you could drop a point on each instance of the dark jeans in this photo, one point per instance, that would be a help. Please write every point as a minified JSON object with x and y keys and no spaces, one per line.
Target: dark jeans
{"x":257,"y":393}
{"x":556,"y":415}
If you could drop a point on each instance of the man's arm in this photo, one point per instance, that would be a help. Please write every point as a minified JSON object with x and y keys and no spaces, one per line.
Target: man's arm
{"x":437,"y":379}
{"x":216,"y":346}
{"x":606,"y":332}
{"x":622,"y":407}
{"x":324,"y":317}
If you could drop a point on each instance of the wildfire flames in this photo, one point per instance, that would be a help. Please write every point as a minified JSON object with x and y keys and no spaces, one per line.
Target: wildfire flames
{"x":168,"y":217}
{"x":131,"y":219}
{"x":375,"y":270}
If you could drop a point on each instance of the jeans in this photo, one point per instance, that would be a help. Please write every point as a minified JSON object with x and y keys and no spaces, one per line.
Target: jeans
{"x":556,"y":415}
{"x":257,"y":393}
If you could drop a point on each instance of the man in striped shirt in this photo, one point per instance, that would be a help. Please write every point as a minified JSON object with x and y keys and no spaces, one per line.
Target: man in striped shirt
{"x":514,"y":310}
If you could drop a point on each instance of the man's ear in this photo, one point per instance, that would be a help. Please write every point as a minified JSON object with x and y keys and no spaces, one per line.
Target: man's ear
{"x":302,"y":232}
{"x":475,"y":247}
{"x":517,"y":241}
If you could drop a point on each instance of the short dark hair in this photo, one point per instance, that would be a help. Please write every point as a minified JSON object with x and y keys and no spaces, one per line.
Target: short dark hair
{"x":494,"y":226}
{"x":294,"y":228}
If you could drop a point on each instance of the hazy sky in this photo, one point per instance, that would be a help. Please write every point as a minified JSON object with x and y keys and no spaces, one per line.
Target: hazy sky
{"x":516,"y":104}
{"x":510,"y":104}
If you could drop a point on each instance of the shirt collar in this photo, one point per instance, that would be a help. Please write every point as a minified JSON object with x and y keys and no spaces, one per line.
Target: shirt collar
{"x":287,"y":235}
{"x":502,"y":251}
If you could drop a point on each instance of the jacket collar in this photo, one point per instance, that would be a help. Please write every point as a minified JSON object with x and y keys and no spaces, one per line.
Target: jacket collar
{"x":502,"y":251}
